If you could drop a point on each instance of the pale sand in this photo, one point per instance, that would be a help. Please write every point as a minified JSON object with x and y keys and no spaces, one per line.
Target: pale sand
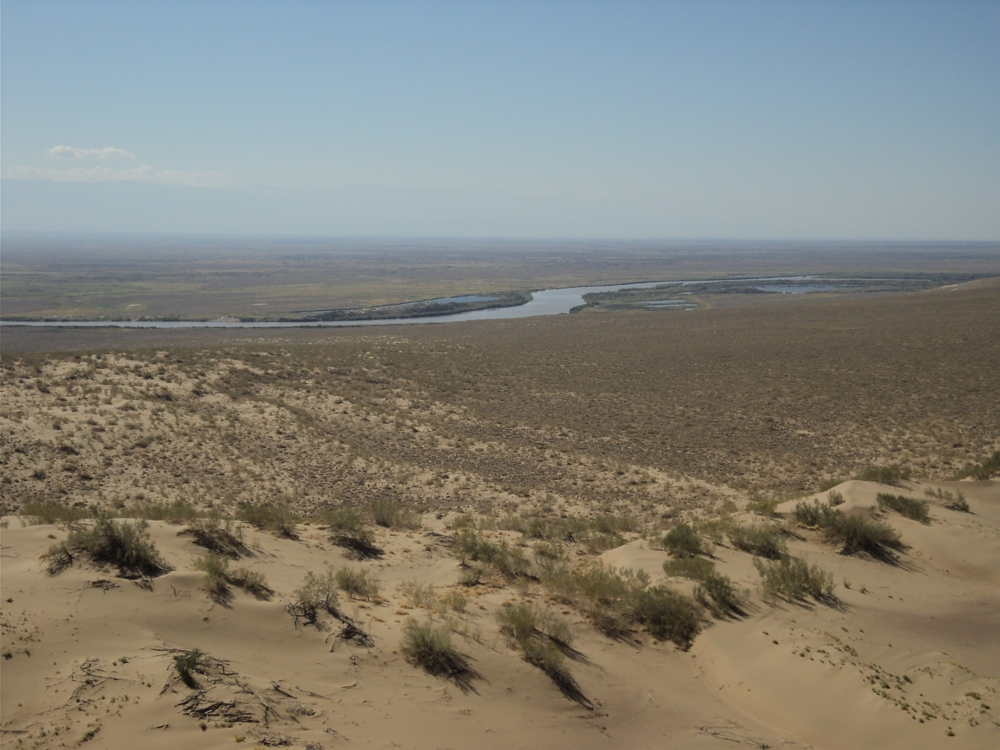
{"x":924,"y":633}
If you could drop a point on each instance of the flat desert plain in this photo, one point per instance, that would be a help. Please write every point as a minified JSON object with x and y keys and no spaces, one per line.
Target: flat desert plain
{"x":763,"y":525}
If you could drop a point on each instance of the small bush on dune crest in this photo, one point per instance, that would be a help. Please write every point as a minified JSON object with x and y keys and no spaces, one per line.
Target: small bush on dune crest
{"x":683,"y":541}
{"x":695,"y":568}
{"x":758,"y":540}
{"x":715,"y":592}
{"x":982,"y":471}
{"x":854,"y":533}
{"x":793,"y":579}
{"x":891,"y":475}
{"x":351,"y":531}
{"x":952,"y":501}
{"x":318,"y":593}
{"x":179,"y":511}
{"x":669,"y":615}
{"x":429,"y":646}
{"x":916,"y":510}
{"x":393,"y":515}
{"x":124,"y":544}
{"x":509,"y":562}
{"x":218,"y":578}
{"x":221,"y":538}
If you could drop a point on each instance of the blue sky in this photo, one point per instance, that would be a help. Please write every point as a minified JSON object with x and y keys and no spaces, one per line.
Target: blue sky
{"x":780,"y":120}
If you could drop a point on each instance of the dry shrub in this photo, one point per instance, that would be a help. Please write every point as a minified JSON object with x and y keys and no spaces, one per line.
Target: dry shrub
{"x":123,"y":544}
{"x":393,"y":515}
{"x":51,"y":513}
{"x":793,"y":579}
{"x":917,"y":510}
{"x":359,"y":584}
{"x":761,"y":541}
{"x":429,"y":646}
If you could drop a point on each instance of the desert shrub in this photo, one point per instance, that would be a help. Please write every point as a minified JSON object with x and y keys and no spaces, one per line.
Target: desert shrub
{"x":124,"y":544}
{"x":854,"y":533}
{"x":275,"y":517}
{"x":905,"y":506}
{"x":221,"y":538}
{"x":419,"y":595}
{"x":509,"y":562}
{"x":350,"y":530}
{"x":523,"y":622}
{"x":358,"y":583}
{"x":982,"y":471}
{"x":216,"y":569}
{"x":429,"y":647}
{"x":393,"y":515}
{"x":597,"y":542}
{"x":51,"y":513}
{"x":952,"y":501}
{"x":716,"y":593}
{"x":549,"y":551}
{"x":318,"y":593}
{"x":695,"y":568}
{"x":253,"y":582}
{"x":814,"y":514}
{"x":758,"y":540}
{"x":453,"y":601}
{"x":179,"y":511}
{"x":187,"y":664}
{"x":669,"y":615}
{"x":891,"y":475}
{"x":683,"y":541}
{"x":793,"y":579}
{"x":834,"y":498}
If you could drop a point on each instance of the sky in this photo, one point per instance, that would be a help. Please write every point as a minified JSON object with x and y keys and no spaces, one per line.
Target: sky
{"x":676,"y":120}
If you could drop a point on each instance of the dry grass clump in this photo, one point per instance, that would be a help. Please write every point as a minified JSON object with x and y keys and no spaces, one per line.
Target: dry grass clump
{"x":187,"y":664}
{"x":51,"y":513}
{"x":854,"y":534}
{"x":762,"y":541}
{"x":429,"y":647}
{"x":393,"y":515}
{"x":124,"y":544}
{"x":508,"y":562}
{"x":793,"y":580}
{"x":618,"y":600}
{"x":275,"y":517}
{"x":917,"y":510}
{"x":684,"y":541}
{"x":951,"y":500}
{"x":221,"y":538}
{"x":420,"y":595}
{"x":359,"y":584}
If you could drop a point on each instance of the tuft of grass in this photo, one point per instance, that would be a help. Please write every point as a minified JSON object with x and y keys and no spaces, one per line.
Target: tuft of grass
{"x":683,"y":541}
{"x":359,"y":584}
{"x":916,"y":510}
{"x":187,"y":664}
{"x":761,"y":541}
{"x":124,"y":544}
{"x":216,"y":570}
{"x":275,"y":517}
{"x":393,"y":515}
{"x":429,"y":647}
{"x":793,"y":579}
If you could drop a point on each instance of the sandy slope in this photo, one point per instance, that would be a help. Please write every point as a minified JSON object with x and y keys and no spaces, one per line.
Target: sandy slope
{"x":897,"y":666}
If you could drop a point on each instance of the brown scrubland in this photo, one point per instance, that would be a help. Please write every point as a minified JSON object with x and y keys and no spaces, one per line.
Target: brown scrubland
{"x":766,"y":522}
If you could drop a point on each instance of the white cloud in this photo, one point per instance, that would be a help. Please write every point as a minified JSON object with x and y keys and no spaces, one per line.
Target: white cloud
{"x":143,"y":173}
{"x":68,"y":152}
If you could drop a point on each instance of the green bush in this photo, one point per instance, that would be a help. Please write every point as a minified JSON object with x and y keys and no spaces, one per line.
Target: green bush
{"x":393,"y":515}
{"x":905,"y":506}
{"x":359,"y":584}
{"x":221,"y":538}
{"x":216,"y":569}
{"x":758,"y":540}
{"x":854,"y":533}
{"x":350,"y":530}
{"x":187,"y":664}
{"x":124,"y":544}
{"x":793,"y":579}
{"x":509,"y":562}
{"x":683,"y":541}
{"x":669,"y":615}
{"x":695,"y":568}
{"x":523,"y":622}
{"x":716,"y":593}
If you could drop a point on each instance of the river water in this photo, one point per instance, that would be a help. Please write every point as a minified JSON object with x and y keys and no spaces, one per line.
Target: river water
{"x":545,"y":302}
